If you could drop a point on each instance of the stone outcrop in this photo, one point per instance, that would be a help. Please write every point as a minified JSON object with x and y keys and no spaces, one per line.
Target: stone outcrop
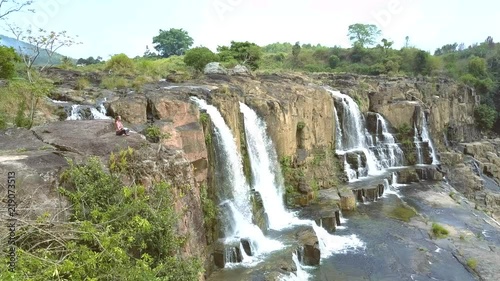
{"x":308,"y":252}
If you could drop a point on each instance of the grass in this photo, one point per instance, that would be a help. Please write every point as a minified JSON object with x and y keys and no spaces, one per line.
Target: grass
{"x":439,"y":231}
{"x":403,"y":213}
{"x":472,"y":263}
{"x":115,"y":82}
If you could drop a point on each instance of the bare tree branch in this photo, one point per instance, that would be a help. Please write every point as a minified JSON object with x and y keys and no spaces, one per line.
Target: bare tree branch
{"x":11,"y":6}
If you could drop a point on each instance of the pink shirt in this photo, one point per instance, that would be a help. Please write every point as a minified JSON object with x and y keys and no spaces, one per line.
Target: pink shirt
{"x":118,"y":125}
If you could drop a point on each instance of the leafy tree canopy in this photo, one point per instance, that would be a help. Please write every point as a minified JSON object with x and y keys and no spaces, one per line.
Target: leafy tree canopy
{"x":363,"y":34}
{"x":199,"y":57}
{"x":8,"y":58}
{"x":172,"y":42}
{"x":243,"y":52}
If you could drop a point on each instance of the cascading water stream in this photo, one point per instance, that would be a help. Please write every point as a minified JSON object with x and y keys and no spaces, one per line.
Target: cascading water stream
{"x":77,"y":112}
{"x":268,"y":181}
{"x":364,"y":154}
{"x":266,"y":172}
{"x":418,"y":146}
{"x":239,"y":204}
{"x":389,"y":152}
{"x":426,"y":138}
{"x":300,"y":275}
{"x":353,"y":136}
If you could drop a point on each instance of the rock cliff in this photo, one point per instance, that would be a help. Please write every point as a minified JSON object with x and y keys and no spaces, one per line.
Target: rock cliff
{"x":299,"y":114}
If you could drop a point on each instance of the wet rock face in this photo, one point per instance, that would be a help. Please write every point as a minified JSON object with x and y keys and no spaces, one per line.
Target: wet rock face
{"x":347,"y":201}
{"x":259,"y":217}
{"x":227,"y":253}
{"x":398,"y":98}
{"x":369,"y":194}
{"x":407,"y":176}
{"x":308,"y":252}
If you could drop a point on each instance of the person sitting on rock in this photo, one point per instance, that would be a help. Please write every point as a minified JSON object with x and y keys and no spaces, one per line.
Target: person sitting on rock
{"x":120,"y":130}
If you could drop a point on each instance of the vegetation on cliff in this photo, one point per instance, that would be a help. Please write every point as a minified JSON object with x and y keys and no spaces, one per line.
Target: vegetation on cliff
{"x":116,"y":232}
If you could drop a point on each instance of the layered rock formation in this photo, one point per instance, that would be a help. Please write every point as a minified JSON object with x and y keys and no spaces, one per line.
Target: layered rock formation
{"x":300,"y":121}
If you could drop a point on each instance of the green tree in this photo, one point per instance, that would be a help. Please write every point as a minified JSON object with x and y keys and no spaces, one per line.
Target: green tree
{"x":172,"y":42}
{"x":8,"y":58}
{"x":199,"y":57}
{"x":485,"y":116}
{"x":243,"y":52}
{"x":386,"y":45}
{"x":477,"y":67}
{"x":421,"y":63}
{"x":295,"y":54}
{"x":363,"y":34}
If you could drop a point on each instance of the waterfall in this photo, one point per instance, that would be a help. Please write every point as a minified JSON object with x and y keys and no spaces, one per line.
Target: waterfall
{"x":416,"y":140}
{"x":239,"y":204}
{"x":87,"y":112}
{"x":353,"y":137}
{"x":389,"y":152}
{"x":426,"y":138}
{"x":338,"y":131}
{"x":268,"y":182}
{"x":266,"y":172}
{"x":364,"y":154}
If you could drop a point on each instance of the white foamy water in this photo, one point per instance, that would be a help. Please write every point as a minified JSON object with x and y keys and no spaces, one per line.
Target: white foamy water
{"x":336,"y":244}
{"x":300,"y":275}
{"x":239,"y":203}
{"x":266,"y":171}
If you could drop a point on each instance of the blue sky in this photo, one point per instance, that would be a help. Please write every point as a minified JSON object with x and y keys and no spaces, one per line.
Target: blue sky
{"x":108,"y":27}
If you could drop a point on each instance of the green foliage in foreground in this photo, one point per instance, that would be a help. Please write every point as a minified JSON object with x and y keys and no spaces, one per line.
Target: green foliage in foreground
{"x":116,"y":233}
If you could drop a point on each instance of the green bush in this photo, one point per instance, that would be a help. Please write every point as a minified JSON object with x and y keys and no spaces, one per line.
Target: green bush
{"x":485,"y":116}
{"x":8,"y":59}
{"x":115,"y":82}
{"x":472,"y":263}
{"x":116,"y":233}
{"x":154,"y":134}
{"x":439,"y":231}
{"x":82,"y":83}
{"x":22,"y":120}
{"x":120,"y":64}
{"x":333,"y":61}
{"x":199,"y":57}
{"x":3,"y":121}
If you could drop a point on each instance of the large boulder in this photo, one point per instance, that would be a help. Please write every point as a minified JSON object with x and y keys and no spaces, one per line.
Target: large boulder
{"x":132,"y":109}
{"x":86,"y":137}
{"x":214,"y":68}
{"x":308,"y":252}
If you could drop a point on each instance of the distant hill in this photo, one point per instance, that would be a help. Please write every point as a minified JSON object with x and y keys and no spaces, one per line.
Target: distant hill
{"x":20,"y":45}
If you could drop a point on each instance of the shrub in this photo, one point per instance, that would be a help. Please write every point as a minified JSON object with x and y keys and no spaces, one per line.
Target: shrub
{"x":472,"y":263}
{"x":333,"y":61}
{"x":116,"y":233}
{"x":485,"y":116}
{"x":82,"y":83}
{"x":114,"y":82}
{"x":154,"y":134}
{"x":439,"y":231}
{"x":21,"y":120}
{"x":8,"y":59}
{"x":3,"y":121}
{"x":121,"y":64}
{"x":199,"y":57}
